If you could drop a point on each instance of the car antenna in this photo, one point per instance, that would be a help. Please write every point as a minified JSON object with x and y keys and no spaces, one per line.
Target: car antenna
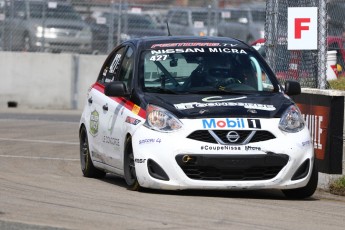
{"x":169,"y":34}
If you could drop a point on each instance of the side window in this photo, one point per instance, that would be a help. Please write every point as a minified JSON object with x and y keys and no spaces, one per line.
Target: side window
{"x":110,"y":71}
{"x":17,"y":9}
{"x":126,"y":69}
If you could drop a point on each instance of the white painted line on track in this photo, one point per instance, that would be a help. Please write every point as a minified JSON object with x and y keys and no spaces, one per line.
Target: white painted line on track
{"x":40,"y":141}
{"x":40,"y":158}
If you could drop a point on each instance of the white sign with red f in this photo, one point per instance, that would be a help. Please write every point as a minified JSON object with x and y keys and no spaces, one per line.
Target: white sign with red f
{"x":302,"y":28}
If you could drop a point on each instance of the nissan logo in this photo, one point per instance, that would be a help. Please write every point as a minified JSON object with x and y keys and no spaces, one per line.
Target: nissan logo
{"x":232,"y":136}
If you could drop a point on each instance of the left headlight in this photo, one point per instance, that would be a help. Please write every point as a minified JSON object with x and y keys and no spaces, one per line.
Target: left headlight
{"x":292,"y":120}
{"x":160,"y":119}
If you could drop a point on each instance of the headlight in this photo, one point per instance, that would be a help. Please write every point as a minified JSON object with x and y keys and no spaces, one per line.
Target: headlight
{"x":161,"y":120}
{"x":292,"y":120}
{"x":47,"y":32}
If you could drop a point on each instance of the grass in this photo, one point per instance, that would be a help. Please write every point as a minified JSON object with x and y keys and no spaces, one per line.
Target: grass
{"x":337,"y":187}
{"x":338,"y":84}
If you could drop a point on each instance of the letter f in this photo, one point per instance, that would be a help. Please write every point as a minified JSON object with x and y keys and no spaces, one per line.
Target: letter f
{"x":299,"y":27}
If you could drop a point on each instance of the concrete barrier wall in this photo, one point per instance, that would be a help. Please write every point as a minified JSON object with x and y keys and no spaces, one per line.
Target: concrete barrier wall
{"x":43,"y":80}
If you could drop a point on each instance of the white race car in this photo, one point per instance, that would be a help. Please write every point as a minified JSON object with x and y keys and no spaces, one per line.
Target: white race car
{"x":195,"y":113}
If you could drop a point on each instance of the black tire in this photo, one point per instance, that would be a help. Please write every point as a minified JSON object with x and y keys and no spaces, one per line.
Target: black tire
{"x":306,"y":191}
{"x":129,"y":167}
{"x":87,"y":167}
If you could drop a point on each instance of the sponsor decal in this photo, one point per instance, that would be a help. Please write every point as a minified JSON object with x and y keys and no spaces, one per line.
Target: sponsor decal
{"x":115,"y":64}
{"x":191,"y":105}
{"x":220,"y":148}
{"x":150,"y":140}
{"x":177,"y":51}
{"x":234,"y":123}
{"x":132,"y":120}
{"x":220,"y":98}
{"x":194,"y":44}
{"x":252,"y":148}
{"x":194,"y":50}
{"x":111,"y":141}
{"x":305,"y":143}
{"x":140,"y":161}
{"x":185,"y":44}
{"x":94,"y":122}
{"x":159,"y":58}
{"x":316,"y":118}
{"x":227,"y":50}
{"x":113,"y":117}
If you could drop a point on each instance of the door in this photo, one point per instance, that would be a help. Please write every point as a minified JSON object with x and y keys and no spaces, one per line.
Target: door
{"x":101,"y":108}
{"x":116,"y":126}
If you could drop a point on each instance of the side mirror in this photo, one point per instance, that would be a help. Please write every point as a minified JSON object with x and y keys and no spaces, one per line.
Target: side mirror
{"x":292,"y":88}
{"x":116,"y":89}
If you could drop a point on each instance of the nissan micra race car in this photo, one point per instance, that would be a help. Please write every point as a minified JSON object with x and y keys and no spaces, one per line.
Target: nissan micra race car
{"x":195,"y":113}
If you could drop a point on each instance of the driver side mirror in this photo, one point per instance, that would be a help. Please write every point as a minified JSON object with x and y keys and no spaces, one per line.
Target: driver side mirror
{"x":292,"y":88}
{"x":116,"y":89}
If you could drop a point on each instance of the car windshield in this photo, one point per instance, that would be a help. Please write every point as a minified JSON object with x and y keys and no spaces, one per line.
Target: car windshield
{"x":220,"y":70}
{"x":53,"y":11}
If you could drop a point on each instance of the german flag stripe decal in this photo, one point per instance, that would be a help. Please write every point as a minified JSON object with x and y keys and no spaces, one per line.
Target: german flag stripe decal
{"x":137,"y":110}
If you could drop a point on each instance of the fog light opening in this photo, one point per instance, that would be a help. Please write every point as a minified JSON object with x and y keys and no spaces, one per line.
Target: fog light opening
{"x":302,"y":171}
{"x":156,"y":171}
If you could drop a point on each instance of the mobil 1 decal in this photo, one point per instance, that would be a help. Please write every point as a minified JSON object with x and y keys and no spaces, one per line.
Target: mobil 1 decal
{"x":231,"y":123}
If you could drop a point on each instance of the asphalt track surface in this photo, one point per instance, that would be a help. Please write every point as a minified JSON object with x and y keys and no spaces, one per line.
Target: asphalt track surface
{"x":42,"y":187}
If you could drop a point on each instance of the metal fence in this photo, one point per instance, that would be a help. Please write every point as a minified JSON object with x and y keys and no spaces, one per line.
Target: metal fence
{"x":97,"y":26}
{"x":310,"y":68}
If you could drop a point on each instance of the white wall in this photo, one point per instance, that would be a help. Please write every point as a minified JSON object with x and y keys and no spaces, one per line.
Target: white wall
{"x":44,"y":80}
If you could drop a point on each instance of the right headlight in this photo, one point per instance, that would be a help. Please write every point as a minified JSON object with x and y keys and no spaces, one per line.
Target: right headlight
{"x":161,"y":120}
{"x":292,"y":120}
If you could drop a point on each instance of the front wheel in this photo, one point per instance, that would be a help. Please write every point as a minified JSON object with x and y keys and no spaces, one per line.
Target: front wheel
{"x":87,"y":167}
{"x":129,"y":167}
{"x":306,"y":191}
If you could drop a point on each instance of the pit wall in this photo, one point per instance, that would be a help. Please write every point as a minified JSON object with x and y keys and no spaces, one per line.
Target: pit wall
{"x":43,"y":80}
{"x":61,"y":81}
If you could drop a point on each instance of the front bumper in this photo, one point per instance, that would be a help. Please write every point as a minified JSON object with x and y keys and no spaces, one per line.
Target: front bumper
{"x":196,"y":164}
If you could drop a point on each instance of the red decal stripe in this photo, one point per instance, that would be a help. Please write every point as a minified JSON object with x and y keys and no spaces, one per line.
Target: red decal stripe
{"x":126,"y":103}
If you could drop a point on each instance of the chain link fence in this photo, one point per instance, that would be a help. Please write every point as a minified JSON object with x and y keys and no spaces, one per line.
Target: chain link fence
{"x":97,"y":26}
{"x":309,"y":67}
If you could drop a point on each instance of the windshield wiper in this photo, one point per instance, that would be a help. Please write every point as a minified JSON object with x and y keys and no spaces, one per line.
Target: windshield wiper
{"x":159,"y":90}
{"x":222,"y":92}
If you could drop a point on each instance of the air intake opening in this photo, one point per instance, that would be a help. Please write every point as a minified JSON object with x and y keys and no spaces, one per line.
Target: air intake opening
{"x":302,"y":171}
{"x":156,"y":171}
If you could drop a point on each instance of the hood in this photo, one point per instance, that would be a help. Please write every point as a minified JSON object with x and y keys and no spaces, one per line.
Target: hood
{"x":207,"y":106}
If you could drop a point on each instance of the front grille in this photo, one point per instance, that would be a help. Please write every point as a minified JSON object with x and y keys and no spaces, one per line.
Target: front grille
{"x":202,"y":135}
{"x":219,"y":136}
{"x":222,"y":135}
{"x":232,"y":168}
